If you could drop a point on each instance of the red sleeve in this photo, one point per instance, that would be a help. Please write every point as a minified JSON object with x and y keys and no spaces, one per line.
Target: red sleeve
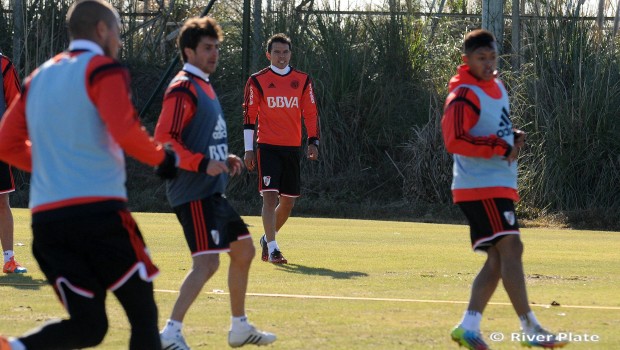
{"x":108,"y":87}
{"x":177,"y":111}
{"x":251,"y":102}
{"x":309,"y":112}
{"x":461,"y":113}
{"x":15,"y":146}
{"x":11,"y":81}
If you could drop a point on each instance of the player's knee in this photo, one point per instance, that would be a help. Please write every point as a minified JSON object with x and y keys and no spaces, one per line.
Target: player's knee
{"x":247,"y":254}
{"x":206,"y":265}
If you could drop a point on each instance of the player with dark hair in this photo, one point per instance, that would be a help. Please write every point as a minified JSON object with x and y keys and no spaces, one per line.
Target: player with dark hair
{"x":478,"y":131}
{"x":69,"y":127}
{"x":278,"y":98}
{"x":9,"y":90}
{"x":192,"y":121}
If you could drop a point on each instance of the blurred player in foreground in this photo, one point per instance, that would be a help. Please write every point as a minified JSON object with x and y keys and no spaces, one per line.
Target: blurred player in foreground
{"x":478,"y":131}
{"x":69,"y":127}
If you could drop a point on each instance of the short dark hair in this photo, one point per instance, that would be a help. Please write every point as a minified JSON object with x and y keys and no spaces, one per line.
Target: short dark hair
{"x":194,"y":29}
{"x":478,"y":38}
{"x":83,"y":16}
{"x":279,"y":38}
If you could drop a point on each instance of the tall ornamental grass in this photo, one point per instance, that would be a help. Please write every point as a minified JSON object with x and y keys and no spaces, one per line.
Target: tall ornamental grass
{"x":568,"y":99}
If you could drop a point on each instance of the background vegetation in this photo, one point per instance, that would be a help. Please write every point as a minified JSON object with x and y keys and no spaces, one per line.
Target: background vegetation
{"x":381,"y":81}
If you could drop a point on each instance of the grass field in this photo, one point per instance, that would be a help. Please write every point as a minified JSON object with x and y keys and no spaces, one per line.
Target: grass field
{"x":358,"y":284}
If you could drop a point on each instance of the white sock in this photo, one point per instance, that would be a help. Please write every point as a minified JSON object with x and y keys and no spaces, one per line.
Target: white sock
{"x":273,"y":245}
{"x":16,"y":344}
{"x":8,"y":254}
{"x":239,"y":324}
{"x":529,"y":322}
{"x":172,"y":328}
{"x":471,"y":320}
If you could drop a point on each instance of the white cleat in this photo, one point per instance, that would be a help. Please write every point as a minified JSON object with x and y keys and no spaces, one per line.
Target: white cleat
{"x":173,"y":343}
{"x":251,"y":336}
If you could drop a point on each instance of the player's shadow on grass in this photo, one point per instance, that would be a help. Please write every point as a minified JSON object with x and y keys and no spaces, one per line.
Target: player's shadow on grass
{"x":321,"y":271}
{"x":19,"y":281}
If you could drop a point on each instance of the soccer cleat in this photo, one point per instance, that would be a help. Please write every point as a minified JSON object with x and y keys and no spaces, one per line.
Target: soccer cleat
{"x":542,"y":338}
{"x":251,"y":336}
{"x":276,"y":257}
{"x":471,"y":340}
{"x":173,"y":343}
{"x":263,"y":245}
{"x":13,"y":266}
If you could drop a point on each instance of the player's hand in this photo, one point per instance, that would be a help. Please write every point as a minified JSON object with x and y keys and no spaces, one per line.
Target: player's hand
{"x":249,"y":158}
{"x":313,"y":152}
{"x":167,"y":169}
{"x":514,"y":154}
{"x":519,"y":138}
{"x":235,"y":165}
{"x":216,"y":167}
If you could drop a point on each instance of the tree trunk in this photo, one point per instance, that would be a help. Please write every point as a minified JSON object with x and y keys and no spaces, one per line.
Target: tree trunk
{"x":257,"y":36}
{"x":19,"y":36}
{"x":493,"y":20}
{"x":516,"y":36}
{"x":601,"y":14}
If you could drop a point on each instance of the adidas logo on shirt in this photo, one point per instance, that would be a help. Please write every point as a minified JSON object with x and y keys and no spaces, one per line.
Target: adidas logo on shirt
{"x":220,"y":129}
{"x":271,"y":86}
{"x":505,"y":124}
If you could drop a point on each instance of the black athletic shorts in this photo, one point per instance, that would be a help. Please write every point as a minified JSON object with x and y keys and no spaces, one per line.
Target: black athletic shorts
{"x":279,"y":170}
{"x":7,"y":183}
{"x":210,"y":225}
{"x":92,"y":252}
{"x":490,"y":220}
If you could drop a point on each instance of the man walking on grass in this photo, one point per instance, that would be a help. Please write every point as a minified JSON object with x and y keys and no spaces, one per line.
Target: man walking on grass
{"x":278,"y":98}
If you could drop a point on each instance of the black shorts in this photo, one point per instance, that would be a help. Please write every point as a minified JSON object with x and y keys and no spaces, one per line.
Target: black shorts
{"x":490,"y":220}
{"x":92,"y":253}
{"x":279,"y":170}
{"x":7,"y":183}
{"x":210,"y":225}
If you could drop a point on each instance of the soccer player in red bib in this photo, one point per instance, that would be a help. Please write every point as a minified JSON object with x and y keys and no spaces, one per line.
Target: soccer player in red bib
{"x":279,"y":98}
{"x":9,"y":90}
{"x":478,"y":131}
{"x":69,"y":128}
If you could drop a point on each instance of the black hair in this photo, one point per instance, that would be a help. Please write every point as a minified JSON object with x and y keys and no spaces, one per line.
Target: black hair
{"x":478,"y":38}
{"x":279,"y":38}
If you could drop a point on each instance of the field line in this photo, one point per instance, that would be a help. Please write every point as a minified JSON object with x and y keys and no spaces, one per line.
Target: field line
{"x":332,"y":297}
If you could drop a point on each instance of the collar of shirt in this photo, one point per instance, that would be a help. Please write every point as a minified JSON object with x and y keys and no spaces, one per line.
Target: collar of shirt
{"x":190,"y":68}
{"x":83,"y":44}
{"x":281,"y":71}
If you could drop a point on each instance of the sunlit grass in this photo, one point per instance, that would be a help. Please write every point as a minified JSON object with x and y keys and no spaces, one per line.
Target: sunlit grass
{"x":407,"y":284}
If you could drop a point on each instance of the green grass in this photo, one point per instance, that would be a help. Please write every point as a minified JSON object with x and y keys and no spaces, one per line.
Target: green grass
{"x":404,"y":265}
